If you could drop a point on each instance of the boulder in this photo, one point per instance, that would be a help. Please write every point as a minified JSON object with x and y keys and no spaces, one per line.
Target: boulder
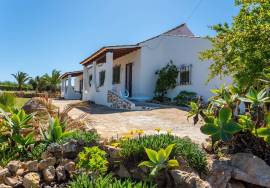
{"x":250,"y":168}
{"x":49,"y":174}
{"x":46,"y":162}
{"x":220,"y":173}
{"x":235,"y":184}
{"x":32,"y":166}
{"x":13,"y":166}
{"x":46,"y":155}
{"x":61,"y":173}
{"x":31,"y":180}
{"x":188,"y":180}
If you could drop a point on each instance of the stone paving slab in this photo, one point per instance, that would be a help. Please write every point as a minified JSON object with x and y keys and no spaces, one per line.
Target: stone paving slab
{"x":112,"y":123}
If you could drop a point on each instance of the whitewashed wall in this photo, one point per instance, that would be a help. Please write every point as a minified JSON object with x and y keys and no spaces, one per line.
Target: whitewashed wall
{"x":135,"y":59}
{"x":156,"y":53}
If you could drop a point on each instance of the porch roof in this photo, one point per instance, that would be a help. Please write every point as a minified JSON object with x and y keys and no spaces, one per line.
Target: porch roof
{"x":118,"y":51}
{"x":73,"y":74}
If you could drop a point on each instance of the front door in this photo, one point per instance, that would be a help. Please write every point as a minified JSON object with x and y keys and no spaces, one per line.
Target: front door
{"x":81,"y":86}
{"x":129,"y":78}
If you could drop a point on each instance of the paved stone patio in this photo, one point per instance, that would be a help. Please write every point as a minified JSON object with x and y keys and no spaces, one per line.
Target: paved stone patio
{"x":112,"y":123}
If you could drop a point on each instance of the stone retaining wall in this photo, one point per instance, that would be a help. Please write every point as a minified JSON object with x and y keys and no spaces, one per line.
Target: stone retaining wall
{"x":118,"y":102}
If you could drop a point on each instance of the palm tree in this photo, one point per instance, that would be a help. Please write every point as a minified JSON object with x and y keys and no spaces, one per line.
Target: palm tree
{"x":21,"y":78}
{"x":53,"y":80}
{"x":38,"y":83}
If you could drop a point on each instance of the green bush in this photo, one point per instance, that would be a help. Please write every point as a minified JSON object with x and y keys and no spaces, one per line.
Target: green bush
{"x":35,"y":153}
{"x":166,"y":80}
{"x":86,"y":137}
{"x":7,"y":101}
{"x":108,"y":181}
{"x":185,"y":97}
{"x":132,"y":150}
{"x":94,"y":160}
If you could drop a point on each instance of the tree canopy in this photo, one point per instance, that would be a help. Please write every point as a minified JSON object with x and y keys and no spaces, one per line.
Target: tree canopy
{"x":242,"y":49}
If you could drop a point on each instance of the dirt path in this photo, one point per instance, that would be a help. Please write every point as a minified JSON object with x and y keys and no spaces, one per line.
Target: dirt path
{"x":112,"y":123}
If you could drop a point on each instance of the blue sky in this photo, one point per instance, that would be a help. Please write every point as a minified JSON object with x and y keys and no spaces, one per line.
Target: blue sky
{"x":37,"y":36}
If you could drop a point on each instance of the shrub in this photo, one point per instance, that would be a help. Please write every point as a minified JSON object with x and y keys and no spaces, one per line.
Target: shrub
{"x":108,"y":181}
{"x":35,"y":153}
{"x":166,"y":80}
{"x":94,"y":160}
{"x":86,"y":137}
{"x":132,"y":150}
{"x":7,"y":101}
{"x":185,"y":97}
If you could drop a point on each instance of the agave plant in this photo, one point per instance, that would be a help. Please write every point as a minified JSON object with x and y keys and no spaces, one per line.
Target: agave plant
{"x":55,"y":131}
{"x":159,"y":160}
{"x":223,"y":127}
{"x":24,"y":141}
{"x":256,"y":98}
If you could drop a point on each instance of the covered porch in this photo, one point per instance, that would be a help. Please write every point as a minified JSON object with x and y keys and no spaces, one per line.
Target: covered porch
{"x":72,"y":85}
{"x":108,"y":76}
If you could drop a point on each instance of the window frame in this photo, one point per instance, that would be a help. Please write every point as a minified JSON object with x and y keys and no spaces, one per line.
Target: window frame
{"x":102,"y":80}
{"x":116,"y":77}
{"x":187,"y":70}
{"x":90,"y":80}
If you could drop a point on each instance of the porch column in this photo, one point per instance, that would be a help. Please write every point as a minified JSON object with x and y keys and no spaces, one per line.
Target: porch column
{"x":69,"y":89}
{"x":95,"y":75}
{"x":109,"y":70}
{"x":85,"y":83}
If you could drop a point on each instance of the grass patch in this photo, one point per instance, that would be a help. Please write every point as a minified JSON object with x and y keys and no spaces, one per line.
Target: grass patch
{"x":132,"y":150}
{"x":87,"y":137}
{"x":19,"y":102}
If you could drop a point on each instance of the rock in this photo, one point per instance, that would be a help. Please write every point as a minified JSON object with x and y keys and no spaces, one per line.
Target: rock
{"x":250,"y":168}
{"x":188,"y":180}
{"x":220,"y":173}
{"x":61,"y":173}
{"x":123,"y":172}
{"x":49,"y":174}
{"x":70,"y":167}
{"x":13,"y":166}
{"x":20,"y":172}
{"x":235,"y":184}
{"x":56,"y":150}
{"x":113,"y":152}
{"x":5,"y":186}
{"x":207,"y":147}
{"x":32,"y":166}
{"x":11,"y":181}
{"x":71,"y":149}
{"x":46,"y":162}
{"x":4,"y":173}
{"x":46,"y":155}
{"x":31,"y":180}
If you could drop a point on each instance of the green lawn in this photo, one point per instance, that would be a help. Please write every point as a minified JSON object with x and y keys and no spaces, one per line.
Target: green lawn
{"x":21,"y":101}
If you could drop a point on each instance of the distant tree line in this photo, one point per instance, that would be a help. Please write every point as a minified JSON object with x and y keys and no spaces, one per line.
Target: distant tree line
{"x":47,"y":82}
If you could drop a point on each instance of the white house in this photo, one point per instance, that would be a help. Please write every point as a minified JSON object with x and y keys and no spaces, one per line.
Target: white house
{"x":72,"y":85}
{"x":117,"y":75}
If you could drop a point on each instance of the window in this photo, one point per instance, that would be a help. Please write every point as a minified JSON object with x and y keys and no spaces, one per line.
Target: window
{"x":101,"y":78}
{"x":185,"y":75}
{"x":116,"y":74}
{"x":90,"y":80}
